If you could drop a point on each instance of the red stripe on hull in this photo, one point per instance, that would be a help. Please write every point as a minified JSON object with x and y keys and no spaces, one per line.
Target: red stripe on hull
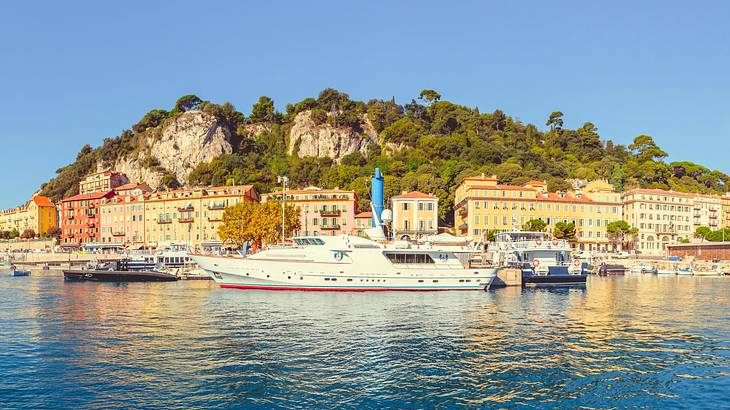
{"x":258,"y":287}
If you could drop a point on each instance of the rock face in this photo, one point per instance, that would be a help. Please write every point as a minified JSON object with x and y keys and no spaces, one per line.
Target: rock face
{"x":307,"y":139}
{"x":192,"y":138}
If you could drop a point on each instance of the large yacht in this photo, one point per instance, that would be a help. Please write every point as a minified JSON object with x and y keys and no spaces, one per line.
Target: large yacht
{"x":543,"y":260}
{"x":351,"y":263}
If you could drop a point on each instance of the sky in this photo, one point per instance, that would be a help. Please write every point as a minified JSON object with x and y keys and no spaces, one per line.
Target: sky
{"x":75,"y":72}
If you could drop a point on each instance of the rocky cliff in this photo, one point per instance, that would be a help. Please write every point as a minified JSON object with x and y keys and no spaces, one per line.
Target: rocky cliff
{"x":307,"y":139}
{"x":176,"y":149}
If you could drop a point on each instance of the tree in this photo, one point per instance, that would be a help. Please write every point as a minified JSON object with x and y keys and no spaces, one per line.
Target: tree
{"x":555,"y":121}
{"x":429,"y":96}
{"x":28,"y":234}
{"x":13,"y":234}
{"x":621,"y":232}
{"x":169,"y":181}
{"x":535,"y":225}
{"x":150,"y":120}
{"x":703,"y":232}
{"x":5,"y":235}
{"x":564,"y":230}
{"x":54,"y":232}
{"x":645,"y":149}
{"x":187,"y":103}
{"x":257,"y":223}
{"x":263,"y":110}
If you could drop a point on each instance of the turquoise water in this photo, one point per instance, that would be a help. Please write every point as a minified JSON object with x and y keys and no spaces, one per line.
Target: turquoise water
{"x":638,"y":341}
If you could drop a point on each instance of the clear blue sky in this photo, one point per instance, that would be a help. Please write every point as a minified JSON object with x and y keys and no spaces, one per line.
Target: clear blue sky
{"x":75,"y":72}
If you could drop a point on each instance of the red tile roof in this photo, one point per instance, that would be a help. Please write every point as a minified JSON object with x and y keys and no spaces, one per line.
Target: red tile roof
{"x":93,"y":195}
{"x":502,"y":187}
{"x":133,"y":185}
{"x":43,"y":201}
{"x":553,"y":197}
{"x":366,"y":214}
{"x":414,"y":195}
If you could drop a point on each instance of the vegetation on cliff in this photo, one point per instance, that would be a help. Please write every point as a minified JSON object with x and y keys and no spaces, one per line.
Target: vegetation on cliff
{"x":428,"y":144}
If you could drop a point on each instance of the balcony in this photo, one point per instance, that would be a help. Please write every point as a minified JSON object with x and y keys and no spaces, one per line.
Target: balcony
{"x":216,"y":206}
{"x":330,"y":212}
{"x":186,"y":220}
{"x":91,"y":225}
{"x":164,"y":221}
{"x":330,"y":227}
{"x":188,"y":208}
{"x":215,"y":219}
{"x":117,"y":233}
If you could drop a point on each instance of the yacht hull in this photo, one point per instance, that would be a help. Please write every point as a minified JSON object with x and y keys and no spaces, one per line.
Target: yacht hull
{"x":257,"y":274}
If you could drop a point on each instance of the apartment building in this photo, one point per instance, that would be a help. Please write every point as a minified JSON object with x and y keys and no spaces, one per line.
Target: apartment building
{"x":415,"y":214}
{"x":322,"y":211}
{"x":363,"y":221}
{"x":80,"y":218}
{"x":38,"y":214}
{"x":668,"y":217}
{"x":122,"y":220}
{"x":483,"y":204}
{"x":103,"y":181}
{"x":190,"y":216}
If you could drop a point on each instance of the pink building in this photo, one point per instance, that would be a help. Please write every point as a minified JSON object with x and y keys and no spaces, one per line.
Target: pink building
{"x":122,"y":220}
{"x":323,"y":211}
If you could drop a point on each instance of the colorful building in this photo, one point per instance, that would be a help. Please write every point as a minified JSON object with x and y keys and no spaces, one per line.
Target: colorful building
{"x":322,"y":211}
{"x":103,"y":181}
{"x":190,"y":216}
{"x":363,"y":221}
{"x":80,"y":218}
{"x":482,"y":204}
{"x":39,"y":214}
{"x":122,"y":220}
{"x":668,"y":217}
{"x":415,"y":214}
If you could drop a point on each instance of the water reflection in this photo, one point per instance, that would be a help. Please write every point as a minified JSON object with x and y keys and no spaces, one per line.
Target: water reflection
{"x":617,"y":342}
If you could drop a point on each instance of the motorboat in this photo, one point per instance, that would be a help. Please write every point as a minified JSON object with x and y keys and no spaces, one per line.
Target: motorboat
{"x":543,"y":260}
{"x":116,"y":272}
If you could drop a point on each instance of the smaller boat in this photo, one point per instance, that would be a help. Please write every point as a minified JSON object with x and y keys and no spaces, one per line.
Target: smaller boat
{"x":13,"y":270}
{"x":19,"y":272}
{"x":610,"y":269}
{"x":645,"y":268}
{"x":685,"y":270}
{"x":711,"y":271}
{"x":116,"y":272}
{"x":666,"y":272}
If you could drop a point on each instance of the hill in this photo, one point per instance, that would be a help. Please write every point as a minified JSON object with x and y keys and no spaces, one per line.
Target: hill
{"x":332,"y":141}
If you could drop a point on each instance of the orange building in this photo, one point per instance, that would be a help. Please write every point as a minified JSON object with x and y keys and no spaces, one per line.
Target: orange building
{"x":80,"y":218}
{"x":323,"y":211}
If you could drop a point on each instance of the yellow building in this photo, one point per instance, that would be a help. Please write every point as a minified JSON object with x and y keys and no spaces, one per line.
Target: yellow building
{"x":38,"y":214}
{"x":103,"y":181}
{"x":415,"y":214}
{"x":482,"y":204}
{"x":190,"y":216}
{"x":322,"y":211}
{"x":668,"y":217}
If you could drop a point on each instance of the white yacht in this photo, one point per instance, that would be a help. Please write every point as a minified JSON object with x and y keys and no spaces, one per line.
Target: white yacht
{"x":171,"y":256}
{"x":543,"y":261}
{"x":351,"y":263}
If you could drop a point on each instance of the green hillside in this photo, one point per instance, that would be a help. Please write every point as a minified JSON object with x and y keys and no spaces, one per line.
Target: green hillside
{"x":439,"y":142}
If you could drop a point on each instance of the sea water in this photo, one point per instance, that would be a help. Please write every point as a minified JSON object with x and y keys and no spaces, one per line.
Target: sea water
{"x":638,"y":341}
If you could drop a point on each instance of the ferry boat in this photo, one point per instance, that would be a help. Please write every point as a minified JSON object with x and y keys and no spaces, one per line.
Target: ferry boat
{"x":543,"y":261}
{"x":351,"y":263}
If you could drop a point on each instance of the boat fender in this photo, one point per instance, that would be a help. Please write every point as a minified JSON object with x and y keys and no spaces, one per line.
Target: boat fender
{"x":576,"y":262}
{"x":555,"y":242}
{"x":535,"y":263}
{"x":538,"y":241}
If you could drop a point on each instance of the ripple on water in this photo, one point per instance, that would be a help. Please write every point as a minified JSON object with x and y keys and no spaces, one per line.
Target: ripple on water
{"x":619,"y":342}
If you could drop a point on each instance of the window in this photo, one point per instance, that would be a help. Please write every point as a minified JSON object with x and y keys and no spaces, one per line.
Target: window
{"x":413,"y":258}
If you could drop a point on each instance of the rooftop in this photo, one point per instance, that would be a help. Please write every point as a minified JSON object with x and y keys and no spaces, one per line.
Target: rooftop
{"x":414,"y":195}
